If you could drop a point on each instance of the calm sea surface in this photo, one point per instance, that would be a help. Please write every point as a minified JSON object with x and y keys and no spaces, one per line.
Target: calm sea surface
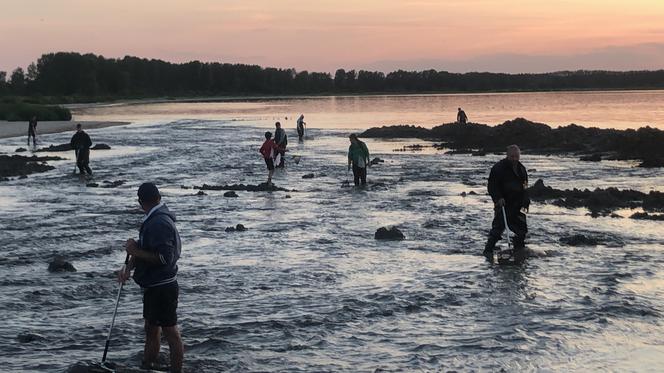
{"x":616,"y":109}
{"x":307,"y":288}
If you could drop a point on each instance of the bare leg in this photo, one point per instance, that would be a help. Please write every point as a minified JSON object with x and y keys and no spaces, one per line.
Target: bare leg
{"x":152,"y":337}
{"x":172,"y":335}
{"x":269,"y":176}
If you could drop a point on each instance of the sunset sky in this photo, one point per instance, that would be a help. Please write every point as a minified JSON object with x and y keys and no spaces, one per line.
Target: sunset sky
{"x":323,"y":35}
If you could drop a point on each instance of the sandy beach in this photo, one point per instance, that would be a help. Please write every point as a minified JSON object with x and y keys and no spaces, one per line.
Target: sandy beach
{"x":15,"y":129}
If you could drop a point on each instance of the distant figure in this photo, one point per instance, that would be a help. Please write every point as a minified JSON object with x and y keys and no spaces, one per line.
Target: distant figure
{"x":300,"y":126}
{"x":282,"y":141}
{"x":32,"y":130}
{"x":461,"y":117}
{"x":81,"y":144}
{"x":154,"y":261}
{"x":358,"y":157}
{"x":269,"y":150}
{"x":508,"y":183}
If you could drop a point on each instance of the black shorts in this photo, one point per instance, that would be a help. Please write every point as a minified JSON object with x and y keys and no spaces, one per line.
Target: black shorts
{"x":160,"y":304}
{"x":270,"y":163}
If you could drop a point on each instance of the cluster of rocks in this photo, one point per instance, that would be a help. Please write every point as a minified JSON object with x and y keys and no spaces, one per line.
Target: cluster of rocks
{"x":600,"y":202}
{"x":18,"y":165}
{"x":263,"y":187}
{"x":237,"y":228}
{"x":390,"y":234}
{"x":593,"y":143}
{"x":106,"y":184}
{"x":67,"y":147}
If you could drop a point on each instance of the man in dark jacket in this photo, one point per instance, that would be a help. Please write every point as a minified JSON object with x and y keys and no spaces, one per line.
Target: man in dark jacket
{"x":508,"y":183}
{"x":154,"y":261}
{"x":282,"y":141}
{"x":81,"y":144}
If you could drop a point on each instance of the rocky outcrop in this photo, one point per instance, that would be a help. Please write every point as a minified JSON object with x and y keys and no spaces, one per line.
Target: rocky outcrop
{"x":17,"y":165}
{"x":646,"y":216}
{"x":308,"y":176}
{"x":230,"y":194}
{"x":58,"y":264}
{"x":600,"y":202}
{"x":263,"y":187}
{"x":101,"y":147}
{"x":237,"y":228}
{"x":56,"y":148}
{"x":642,"y":144}
{"x":21,"y":150}
{"x":391,"y":234}
{"x":591,"y":239}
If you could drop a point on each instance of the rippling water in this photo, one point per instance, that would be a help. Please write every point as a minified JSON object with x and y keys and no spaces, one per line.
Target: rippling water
{"x":307,"y":288}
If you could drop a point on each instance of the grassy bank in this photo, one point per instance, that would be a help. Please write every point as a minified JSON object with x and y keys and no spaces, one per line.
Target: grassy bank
{"x":23,"y":111}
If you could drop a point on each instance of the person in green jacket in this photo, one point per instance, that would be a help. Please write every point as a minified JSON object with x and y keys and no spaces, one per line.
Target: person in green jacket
{"x":358,"y":156}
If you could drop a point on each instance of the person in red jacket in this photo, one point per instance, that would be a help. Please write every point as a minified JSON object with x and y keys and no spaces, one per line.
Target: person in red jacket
{"x":269,"y":150}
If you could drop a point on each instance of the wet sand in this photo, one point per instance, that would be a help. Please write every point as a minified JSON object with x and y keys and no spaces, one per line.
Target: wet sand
{"x":16,"y":129}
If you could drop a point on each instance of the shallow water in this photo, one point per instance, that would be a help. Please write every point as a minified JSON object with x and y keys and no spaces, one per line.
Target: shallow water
{"x":307,"y":288}
{"x":612,"y":109}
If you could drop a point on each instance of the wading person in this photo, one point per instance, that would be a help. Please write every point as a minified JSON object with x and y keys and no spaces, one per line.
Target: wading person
{"x":81,"y":144}
{"x":358,"y":158}
{"x":300,"y":126}
{"x":32,"y":130}
{"x":268,"y":150}
{"x":507,"y":186}
{"x":154,"y":261}
{"x":281,"y":140}
{"x":461,"y":117}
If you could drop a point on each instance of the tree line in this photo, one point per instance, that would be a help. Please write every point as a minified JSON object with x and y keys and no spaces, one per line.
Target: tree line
{"x":91,"y":76}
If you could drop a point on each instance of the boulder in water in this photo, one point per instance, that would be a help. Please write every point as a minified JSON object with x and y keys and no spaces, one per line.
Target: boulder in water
{"x":56,"y":148}
{"x":376,"y":161}
{"x":393,"y":234}
{"x":308,"y":176}
{"x":21,"y":150}
{"x":201,"y":193}
{"x":58,"y":264}
{"x":101,"y":147}
{"x":29,"y":337}
{"x":240,"y":228}
{"x":230,"y":194}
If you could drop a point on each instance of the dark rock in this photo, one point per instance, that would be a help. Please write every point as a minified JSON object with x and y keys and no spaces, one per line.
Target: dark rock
{"x":56,"y":148}
{"x":646,"y":216}
{"x":532,"y":170}
{"x":389,"y":234}
{"x":21,"y":150}
{"x":591,"y":239}
{"x":308,"y":176}
{"x":652,"y":162}
{"x":376,"y":161}
{"x":412,"y":148}
{"x":643,"y":144}
{"x":58,"y":264}
{"x":92,"y":185}
{"x":472,"y":193}
{"x":591,"y":158}
{"x":230,"y":194}
{"x":29,"y":337}
{"x":288,"y":196}
{"x":113,"y":184}
{"x":201,"y":193}
{"x":237,"y":228}
{"x":401,"y":131}
{"x":463,"y":194}
{"x":263,"y":187}
{"x":23,"y":177}
{"x":17,"y":165}
{"x":101,"y":147}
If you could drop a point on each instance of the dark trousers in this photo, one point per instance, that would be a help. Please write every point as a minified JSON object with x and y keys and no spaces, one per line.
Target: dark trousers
{"x":82,"y":160}
{"x":517,"y":224}
{"x":34,"y":138}
{"x":359,"y":175}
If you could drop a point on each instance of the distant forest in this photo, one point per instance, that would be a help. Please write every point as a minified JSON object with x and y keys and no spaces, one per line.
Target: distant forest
{"x":88,"y":76}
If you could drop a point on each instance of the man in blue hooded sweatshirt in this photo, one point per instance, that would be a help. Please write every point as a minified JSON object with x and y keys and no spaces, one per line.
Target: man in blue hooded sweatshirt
{"x":153,"y":259}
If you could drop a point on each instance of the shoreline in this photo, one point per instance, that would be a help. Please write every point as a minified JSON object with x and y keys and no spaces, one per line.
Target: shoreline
{"x":20,"y":129}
